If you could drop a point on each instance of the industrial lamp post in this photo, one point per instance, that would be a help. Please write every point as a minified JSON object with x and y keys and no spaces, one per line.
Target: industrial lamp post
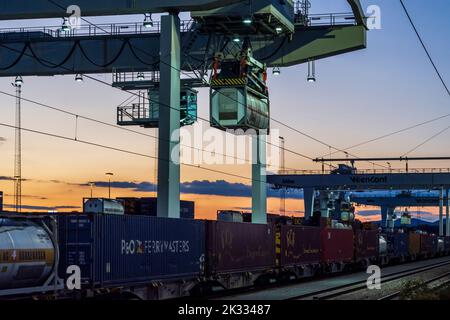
{"x":92,"y":185}
{"x":109,"y":174}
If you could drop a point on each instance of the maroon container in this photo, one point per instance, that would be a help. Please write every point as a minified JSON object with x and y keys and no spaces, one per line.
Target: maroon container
{"x":300,"y":245}
{"x":337,"y":245}
{"x":239,"y":247}
{"x":366,"y":244}
{"x":428,"y":244}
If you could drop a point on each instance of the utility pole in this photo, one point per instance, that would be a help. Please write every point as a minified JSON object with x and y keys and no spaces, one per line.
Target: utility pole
{"x":109,"y":174}
{"x":91,"y":184}
{"x":18,"y":147}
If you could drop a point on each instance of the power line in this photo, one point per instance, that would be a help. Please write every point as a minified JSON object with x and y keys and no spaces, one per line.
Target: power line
{"x":133,"y":131}
{"x":425,"y":48}
{"x":135,"y":94}
{"x":390,"y":134}
{"x":426,"y":141}
{"x":123,"y":150}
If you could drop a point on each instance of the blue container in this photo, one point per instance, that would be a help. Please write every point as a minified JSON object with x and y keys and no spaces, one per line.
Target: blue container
{"x":398,"y":244}
{"x":119,"y":250}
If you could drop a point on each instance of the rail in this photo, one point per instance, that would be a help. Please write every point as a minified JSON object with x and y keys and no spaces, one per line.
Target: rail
{"x":366,"y":171}
{"x":88,"y":30}
{"x":362,"y":285}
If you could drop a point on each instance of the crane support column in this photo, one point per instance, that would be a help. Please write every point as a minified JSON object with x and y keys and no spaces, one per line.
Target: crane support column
{"x":441,"y":212}
{"x":259,"y":188}
{"x":308,"y":197}
{"x":324,"y":197}
{"x":169,"y":119}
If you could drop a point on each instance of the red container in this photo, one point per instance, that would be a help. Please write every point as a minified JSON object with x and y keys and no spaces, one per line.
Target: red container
{"x":366,"y":244}
{"x":337,"y":245}
{"x":239,"y":247}
{"x":300,"y":245}
{"x":428,"y":244}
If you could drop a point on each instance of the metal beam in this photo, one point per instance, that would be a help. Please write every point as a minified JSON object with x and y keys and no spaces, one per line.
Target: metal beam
{"x":45,"y":55}
{"x":313,"y":43}
{"x":169,"y":119}
{"x":259,"y":186}
{"x":381,"y":159}
{"x":34,"y":9}
{"x":358,"y":12}
{"x":383,"y":181}
{"x":308,"y":196}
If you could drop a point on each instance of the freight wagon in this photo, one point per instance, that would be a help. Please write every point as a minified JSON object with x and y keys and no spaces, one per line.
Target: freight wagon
{"x":447,"y":244}
{"x":299,"y":250}
{"x":337,"y":249}
{"x":160,"y":258}
{"x":428,"y":245}
{"x":367,"y":245}
{"x":397,"y":247}
{"x":128,"y":251}
{"x":239,"y":254}
{"x":414,"y":246}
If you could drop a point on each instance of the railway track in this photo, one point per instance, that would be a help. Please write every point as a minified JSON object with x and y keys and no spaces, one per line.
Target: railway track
{"x":362,"y":286}
{"x":437,"y":279}
{"x":334,"y":287}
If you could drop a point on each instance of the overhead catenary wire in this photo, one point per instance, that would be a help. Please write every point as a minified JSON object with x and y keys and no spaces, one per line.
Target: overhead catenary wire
{"x":425,"y":48}
{"x":151,"y":100}
{"x":390,"y":134}
{"x":426,"y":141}
{"x":123,"y":150}
{"x":79,"y":116}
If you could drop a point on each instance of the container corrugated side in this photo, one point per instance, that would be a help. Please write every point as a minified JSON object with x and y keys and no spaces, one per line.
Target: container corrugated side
{"x":398,"y":244}
{"x":428,"y":244}
{"x":414,"y":244}
{"x":239,"y":247}
{"x":75,"y":245}
{"x":300,"y":245}
{"x":137,"y":249}
{"x":447,"y":243}
{"x":337,"y":245}
{"x":366,"y":244}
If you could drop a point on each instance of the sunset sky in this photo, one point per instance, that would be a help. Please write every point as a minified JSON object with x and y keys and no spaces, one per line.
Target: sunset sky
{"x":358,"y":96}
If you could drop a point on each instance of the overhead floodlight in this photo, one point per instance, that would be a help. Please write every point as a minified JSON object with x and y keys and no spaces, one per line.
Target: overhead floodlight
{"x":276,"y":71}
{"x":236,"y":39}
{"x":79,"y":78}
{"x":311,"y":71}
{"x":148,"y":22}
{"x":18,"y":81}
{"x":247,"y":20}
{"x":65,"y":26}
{"x":278,"y":29}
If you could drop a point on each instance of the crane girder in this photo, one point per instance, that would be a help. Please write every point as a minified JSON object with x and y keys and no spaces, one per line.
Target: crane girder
{"x":35,"y":9}
{"x":44,"y":56}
